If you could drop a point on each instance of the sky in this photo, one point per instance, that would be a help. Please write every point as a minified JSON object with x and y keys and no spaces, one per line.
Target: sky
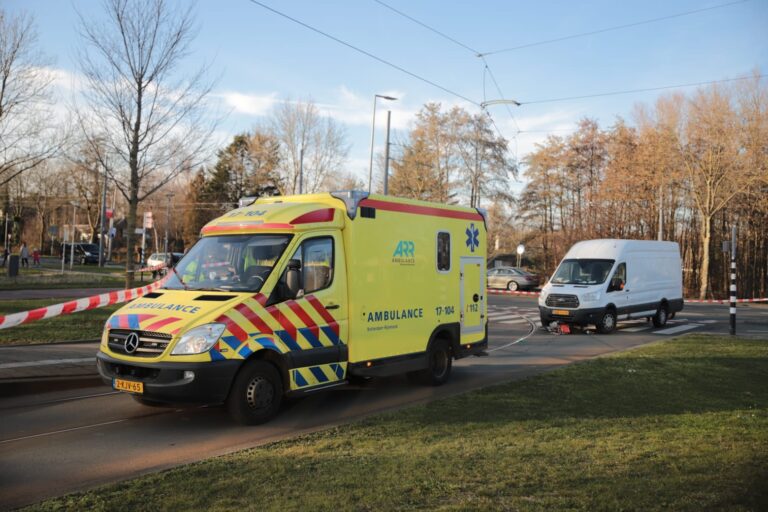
{"x":259,"y":58}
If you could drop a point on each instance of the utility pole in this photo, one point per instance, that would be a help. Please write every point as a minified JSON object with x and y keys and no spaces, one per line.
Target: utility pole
{"x":733,"y":280}
{"x":103,"y":220}
{"x":301,"y":170}
{"x":661,"y":216}
{"x":386,"y":156}
{"x":72,"y":242}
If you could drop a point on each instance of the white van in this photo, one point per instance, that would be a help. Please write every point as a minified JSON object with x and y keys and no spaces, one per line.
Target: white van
{"x":602,"y":281}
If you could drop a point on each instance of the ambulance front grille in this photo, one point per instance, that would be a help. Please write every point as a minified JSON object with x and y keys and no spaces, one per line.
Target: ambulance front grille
{"x":151,"y":344}
{"x":556,"y":300}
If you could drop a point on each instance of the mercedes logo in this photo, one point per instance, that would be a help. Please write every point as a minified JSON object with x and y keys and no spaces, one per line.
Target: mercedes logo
{"x":131,"y":343}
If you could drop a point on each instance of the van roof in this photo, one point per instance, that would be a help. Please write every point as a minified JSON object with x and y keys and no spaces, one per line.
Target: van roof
{"x":614,"y":248}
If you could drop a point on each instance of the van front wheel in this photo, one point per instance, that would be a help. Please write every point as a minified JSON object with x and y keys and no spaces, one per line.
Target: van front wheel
{"x":607,"y":323}
{"x":256,"y":393}
{"x":661,"y":316}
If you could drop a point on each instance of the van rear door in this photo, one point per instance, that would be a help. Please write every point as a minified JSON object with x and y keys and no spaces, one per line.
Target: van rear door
{"x":472,"y":295}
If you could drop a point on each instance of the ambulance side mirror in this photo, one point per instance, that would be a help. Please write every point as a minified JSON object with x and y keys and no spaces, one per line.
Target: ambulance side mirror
{"x":293,"y":277}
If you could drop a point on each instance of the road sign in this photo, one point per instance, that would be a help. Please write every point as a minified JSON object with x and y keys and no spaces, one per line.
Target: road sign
{"x":148,"y":221}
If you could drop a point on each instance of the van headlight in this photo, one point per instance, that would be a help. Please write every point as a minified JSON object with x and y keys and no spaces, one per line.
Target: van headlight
{"x":590,"y":297}
{"x":198,"y":340}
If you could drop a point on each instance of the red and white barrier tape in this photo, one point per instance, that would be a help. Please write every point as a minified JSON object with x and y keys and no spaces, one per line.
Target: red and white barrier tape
{"x":687,"y":301}
{"x":75,"y":306}
{"x":150,"y":269}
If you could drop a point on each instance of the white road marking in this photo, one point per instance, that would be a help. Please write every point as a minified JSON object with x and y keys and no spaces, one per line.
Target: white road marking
{"x":691,"y":313}
{"x":679,"y":328}
{"x":760,"y":332}
{"x":707,"y":321}
{"x":503,"y":316}
{"x":636,"y":329}
{"x":48,"y":362}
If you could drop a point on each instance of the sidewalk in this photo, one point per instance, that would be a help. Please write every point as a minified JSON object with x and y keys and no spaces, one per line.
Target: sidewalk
{"x":53,"y":293}
{"x":39,"y":368}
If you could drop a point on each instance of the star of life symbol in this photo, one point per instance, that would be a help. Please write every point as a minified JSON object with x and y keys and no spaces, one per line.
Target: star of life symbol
{"x":472,"y":233}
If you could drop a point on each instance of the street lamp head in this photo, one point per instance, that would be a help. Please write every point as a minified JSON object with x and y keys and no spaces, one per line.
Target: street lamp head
{"x":390,"y":98}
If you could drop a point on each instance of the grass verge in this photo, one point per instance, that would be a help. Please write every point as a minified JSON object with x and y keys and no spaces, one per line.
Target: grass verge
{"x":77,"y":326}
{"x":681,"y":425}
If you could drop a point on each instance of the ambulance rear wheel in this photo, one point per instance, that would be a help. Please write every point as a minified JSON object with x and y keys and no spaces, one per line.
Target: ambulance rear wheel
{"x":256,"y":393}
{"x":440,"y":364}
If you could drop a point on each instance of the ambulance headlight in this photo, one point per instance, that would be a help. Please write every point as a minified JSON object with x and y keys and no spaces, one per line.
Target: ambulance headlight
{"x":198,"y":340}
{"x":591,"y":297}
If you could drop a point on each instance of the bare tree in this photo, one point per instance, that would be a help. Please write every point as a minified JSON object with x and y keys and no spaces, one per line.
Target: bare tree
{"x":151,"y":122}
{"x":27,"y":137}
{"x":308,"y":140}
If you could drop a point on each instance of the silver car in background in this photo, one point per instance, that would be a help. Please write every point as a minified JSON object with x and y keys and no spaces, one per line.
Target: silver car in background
{"x":512,"y":279}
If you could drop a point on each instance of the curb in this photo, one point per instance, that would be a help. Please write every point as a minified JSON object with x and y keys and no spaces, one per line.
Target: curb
{"x":33,"y":385}
{"x":48,"y":343}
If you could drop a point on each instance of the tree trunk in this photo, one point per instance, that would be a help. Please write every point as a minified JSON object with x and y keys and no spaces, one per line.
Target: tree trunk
{"x":706,"y":234}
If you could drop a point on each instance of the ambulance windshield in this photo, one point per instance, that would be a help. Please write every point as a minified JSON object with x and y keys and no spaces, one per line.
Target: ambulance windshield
{"x":586,"y":271}
{"x":232,"y":263}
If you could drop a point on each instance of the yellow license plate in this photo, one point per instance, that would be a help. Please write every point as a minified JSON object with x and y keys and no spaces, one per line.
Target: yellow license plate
{"x":563,"y":312}
{"x":128,"y":385}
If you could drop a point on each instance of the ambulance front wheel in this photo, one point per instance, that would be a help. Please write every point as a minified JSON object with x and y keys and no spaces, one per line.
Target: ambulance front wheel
{"x":256,"y":393}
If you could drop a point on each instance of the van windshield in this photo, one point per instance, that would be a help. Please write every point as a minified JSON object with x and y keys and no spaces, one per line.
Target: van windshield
{"x":582,"y":271}
{"x":236,"y":263}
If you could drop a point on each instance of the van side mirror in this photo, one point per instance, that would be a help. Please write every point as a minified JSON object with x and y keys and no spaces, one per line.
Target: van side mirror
{"x":293,"y":278}
{"x":617,"y":284}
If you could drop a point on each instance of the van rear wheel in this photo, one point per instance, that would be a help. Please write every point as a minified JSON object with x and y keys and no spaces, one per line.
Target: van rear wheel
{"x":256,"y":393}
{"x":607,"y":322}
{"x":661,"y":316}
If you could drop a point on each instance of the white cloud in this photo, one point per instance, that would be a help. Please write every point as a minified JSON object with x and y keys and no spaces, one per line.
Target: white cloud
{"x":249,"y":104}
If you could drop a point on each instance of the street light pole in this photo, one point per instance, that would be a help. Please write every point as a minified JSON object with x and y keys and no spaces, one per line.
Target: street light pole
{"x":103,"y":220}
{"x":386,"y":156}
{"x":373,"y":133}
{"x":167,"y":223}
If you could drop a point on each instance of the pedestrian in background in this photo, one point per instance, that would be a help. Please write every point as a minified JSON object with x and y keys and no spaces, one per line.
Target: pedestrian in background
{"x":24,"y":254}
{"x":6,"y":253}
{"x":36,"y":257}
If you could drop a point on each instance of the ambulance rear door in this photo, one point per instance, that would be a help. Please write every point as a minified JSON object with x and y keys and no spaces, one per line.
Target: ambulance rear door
{"x":472,"y":297}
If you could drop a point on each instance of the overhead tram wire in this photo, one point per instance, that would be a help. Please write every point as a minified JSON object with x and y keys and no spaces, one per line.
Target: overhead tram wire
{"x":647,"y":89}
{"x":610,"y":29}
{"x":474,"y":51}
{"x":365,"y":52}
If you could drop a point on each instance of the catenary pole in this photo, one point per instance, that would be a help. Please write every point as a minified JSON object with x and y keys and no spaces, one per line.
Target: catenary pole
{"x":733,"y":280}
{"x":103,"y":220}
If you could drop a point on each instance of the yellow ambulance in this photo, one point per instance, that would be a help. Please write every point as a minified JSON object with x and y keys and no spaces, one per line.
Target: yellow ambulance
{"x":295,"y":294}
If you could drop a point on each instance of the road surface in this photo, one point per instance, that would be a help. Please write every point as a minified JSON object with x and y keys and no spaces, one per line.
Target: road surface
{"x":69,"y":440}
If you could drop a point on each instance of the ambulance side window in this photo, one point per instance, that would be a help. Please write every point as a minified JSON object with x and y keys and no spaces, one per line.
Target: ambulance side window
{"x":443,"y":251}
{"x":316,"y":257}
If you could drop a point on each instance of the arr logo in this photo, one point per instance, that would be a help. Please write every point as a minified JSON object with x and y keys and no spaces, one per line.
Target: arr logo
{"x":405,"y":253}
